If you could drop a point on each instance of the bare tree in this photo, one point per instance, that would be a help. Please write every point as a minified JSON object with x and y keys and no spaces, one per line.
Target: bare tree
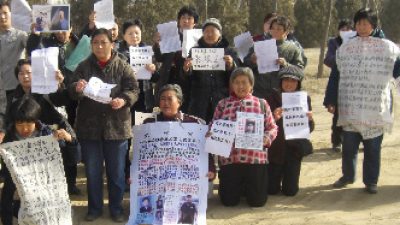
{"x":324,"y":39}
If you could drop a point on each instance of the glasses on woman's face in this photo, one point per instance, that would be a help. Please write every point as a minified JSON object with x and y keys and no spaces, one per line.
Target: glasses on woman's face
{"x":100,"y":43}
{"x":23,"y":73}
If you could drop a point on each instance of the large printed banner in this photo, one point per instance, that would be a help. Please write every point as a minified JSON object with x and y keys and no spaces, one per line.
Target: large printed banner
{"x":366,"y":69}
{"x":37,"y":170}
{"x":168,"y":172}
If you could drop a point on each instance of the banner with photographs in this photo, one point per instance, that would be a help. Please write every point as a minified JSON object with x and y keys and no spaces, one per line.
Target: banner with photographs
{"x":50,"y":18}
{"x":37,"y":170}
{"x":249,"y":131}
{"x":168,"y":172}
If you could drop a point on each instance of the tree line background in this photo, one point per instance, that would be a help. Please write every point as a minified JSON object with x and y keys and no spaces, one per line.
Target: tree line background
{"x":309,"y":17}
{"x":314,"y":21}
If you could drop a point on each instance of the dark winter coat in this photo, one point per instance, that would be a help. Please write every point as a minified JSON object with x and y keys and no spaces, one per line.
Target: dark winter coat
{"x":171,"y":72}
{"x":280,"y":146}
{"x":208,"y":87}
{"x":98,"y":121}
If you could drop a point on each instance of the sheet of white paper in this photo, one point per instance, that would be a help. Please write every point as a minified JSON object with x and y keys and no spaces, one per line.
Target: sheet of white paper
{"x":190,"y":38}
{"x":139,"y":58}
{"x":347,"y":35}
{"x":99,"y":91}
{"x":169,"y":163}
{"x":222,"y":137}
{"x":243,"y":43}
{"x":21,"y":15}
{"x":104,"y":14}
{"x":295,"y":120}
{"x":37,"y":171}
{"x":267,"y":54}
{"x":208,"y":58}
{"x":51,"y":18}
{"x":170,"y":41}
{"x":44,"y":66}
{"x":249,"y":131}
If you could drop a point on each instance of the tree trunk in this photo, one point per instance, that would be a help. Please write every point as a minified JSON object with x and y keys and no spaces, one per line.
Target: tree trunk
{"x":324,"y":40}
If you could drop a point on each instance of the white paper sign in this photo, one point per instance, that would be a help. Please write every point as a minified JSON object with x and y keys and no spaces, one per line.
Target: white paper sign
{"x":190,"y":38}
{"x":249,"y":131}
{"x":267,"y":54}
{"x":99,"y":91}
{"x":50,"y":18}
{"x":170,"y":41}
{"x":243,"y":43}
{"x":44,"y":66}
{"x":104,"y":14}
{"x":168,"y":172}
{"x":208,"y":58}
{"x":366,"y":69}
{"x":347,"y":35}
{"x":37,"y":171}
{"x":222,"y":137}
{"x":139,"y":58}
{"x":295,"y":120}
{"x":21,"y":15}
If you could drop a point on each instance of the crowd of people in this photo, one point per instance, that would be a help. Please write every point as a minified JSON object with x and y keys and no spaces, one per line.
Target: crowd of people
{"x":99,"y":134}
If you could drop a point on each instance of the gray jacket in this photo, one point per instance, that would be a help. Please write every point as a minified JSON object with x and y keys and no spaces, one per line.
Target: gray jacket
{"x":12,"y":44}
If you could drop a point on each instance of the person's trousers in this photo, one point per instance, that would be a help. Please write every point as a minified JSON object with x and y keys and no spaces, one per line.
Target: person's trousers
{"x":239,"y":177}
{"x":7,"y":195}
{"x":112,"y":152}
{"x":336,"y":135}
{"x":285,"y":177}
{"x":372,"y":157}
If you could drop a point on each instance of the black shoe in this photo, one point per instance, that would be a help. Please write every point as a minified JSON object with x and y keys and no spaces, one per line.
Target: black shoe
{"x":118,"y":218}
{"x":92,"y":217}
{"x":372,"y":189}
{"x":341,"y":183}
{"x":73,"y":190}
{"x":337,"y":148}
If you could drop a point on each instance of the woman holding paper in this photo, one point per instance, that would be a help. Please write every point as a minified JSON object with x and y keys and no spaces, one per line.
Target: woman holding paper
{"x":245,"y":169}
{"x":208,"y":87}
{"x":103,"y":129}
{"x":288,"y":54}
{"x":132,"y":35}
{"x":285,"y":156}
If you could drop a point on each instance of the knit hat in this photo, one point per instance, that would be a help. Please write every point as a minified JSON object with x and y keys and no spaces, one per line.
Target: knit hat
{"x":290,"y":71}
{"x":214,"y":22}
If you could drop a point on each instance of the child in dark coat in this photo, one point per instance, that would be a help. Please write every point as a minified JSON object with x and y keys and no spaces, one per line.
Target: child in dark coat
{"x":285,"y":156}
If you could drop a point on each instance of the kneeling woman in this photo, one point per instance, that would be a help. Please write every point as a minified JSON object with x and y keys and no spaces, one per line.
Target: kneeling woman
{"x":245,"y":169}
{"x":170,"y":100}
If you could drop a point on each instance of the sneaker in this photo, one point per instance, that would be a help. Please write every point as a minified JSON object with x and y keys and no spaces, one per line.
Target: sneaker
{"x":73,"y":190}
{"x":118,"y":218}
{"x":341,"y":183}
{"x":92,"y":217}
{"x":372,"y":189}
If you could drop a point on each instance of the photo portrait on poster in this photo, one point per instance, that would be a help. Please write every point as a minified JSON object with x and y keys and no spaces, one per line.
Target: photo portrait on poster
{"x":249,"y":131}
{"x":50,"y":18}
